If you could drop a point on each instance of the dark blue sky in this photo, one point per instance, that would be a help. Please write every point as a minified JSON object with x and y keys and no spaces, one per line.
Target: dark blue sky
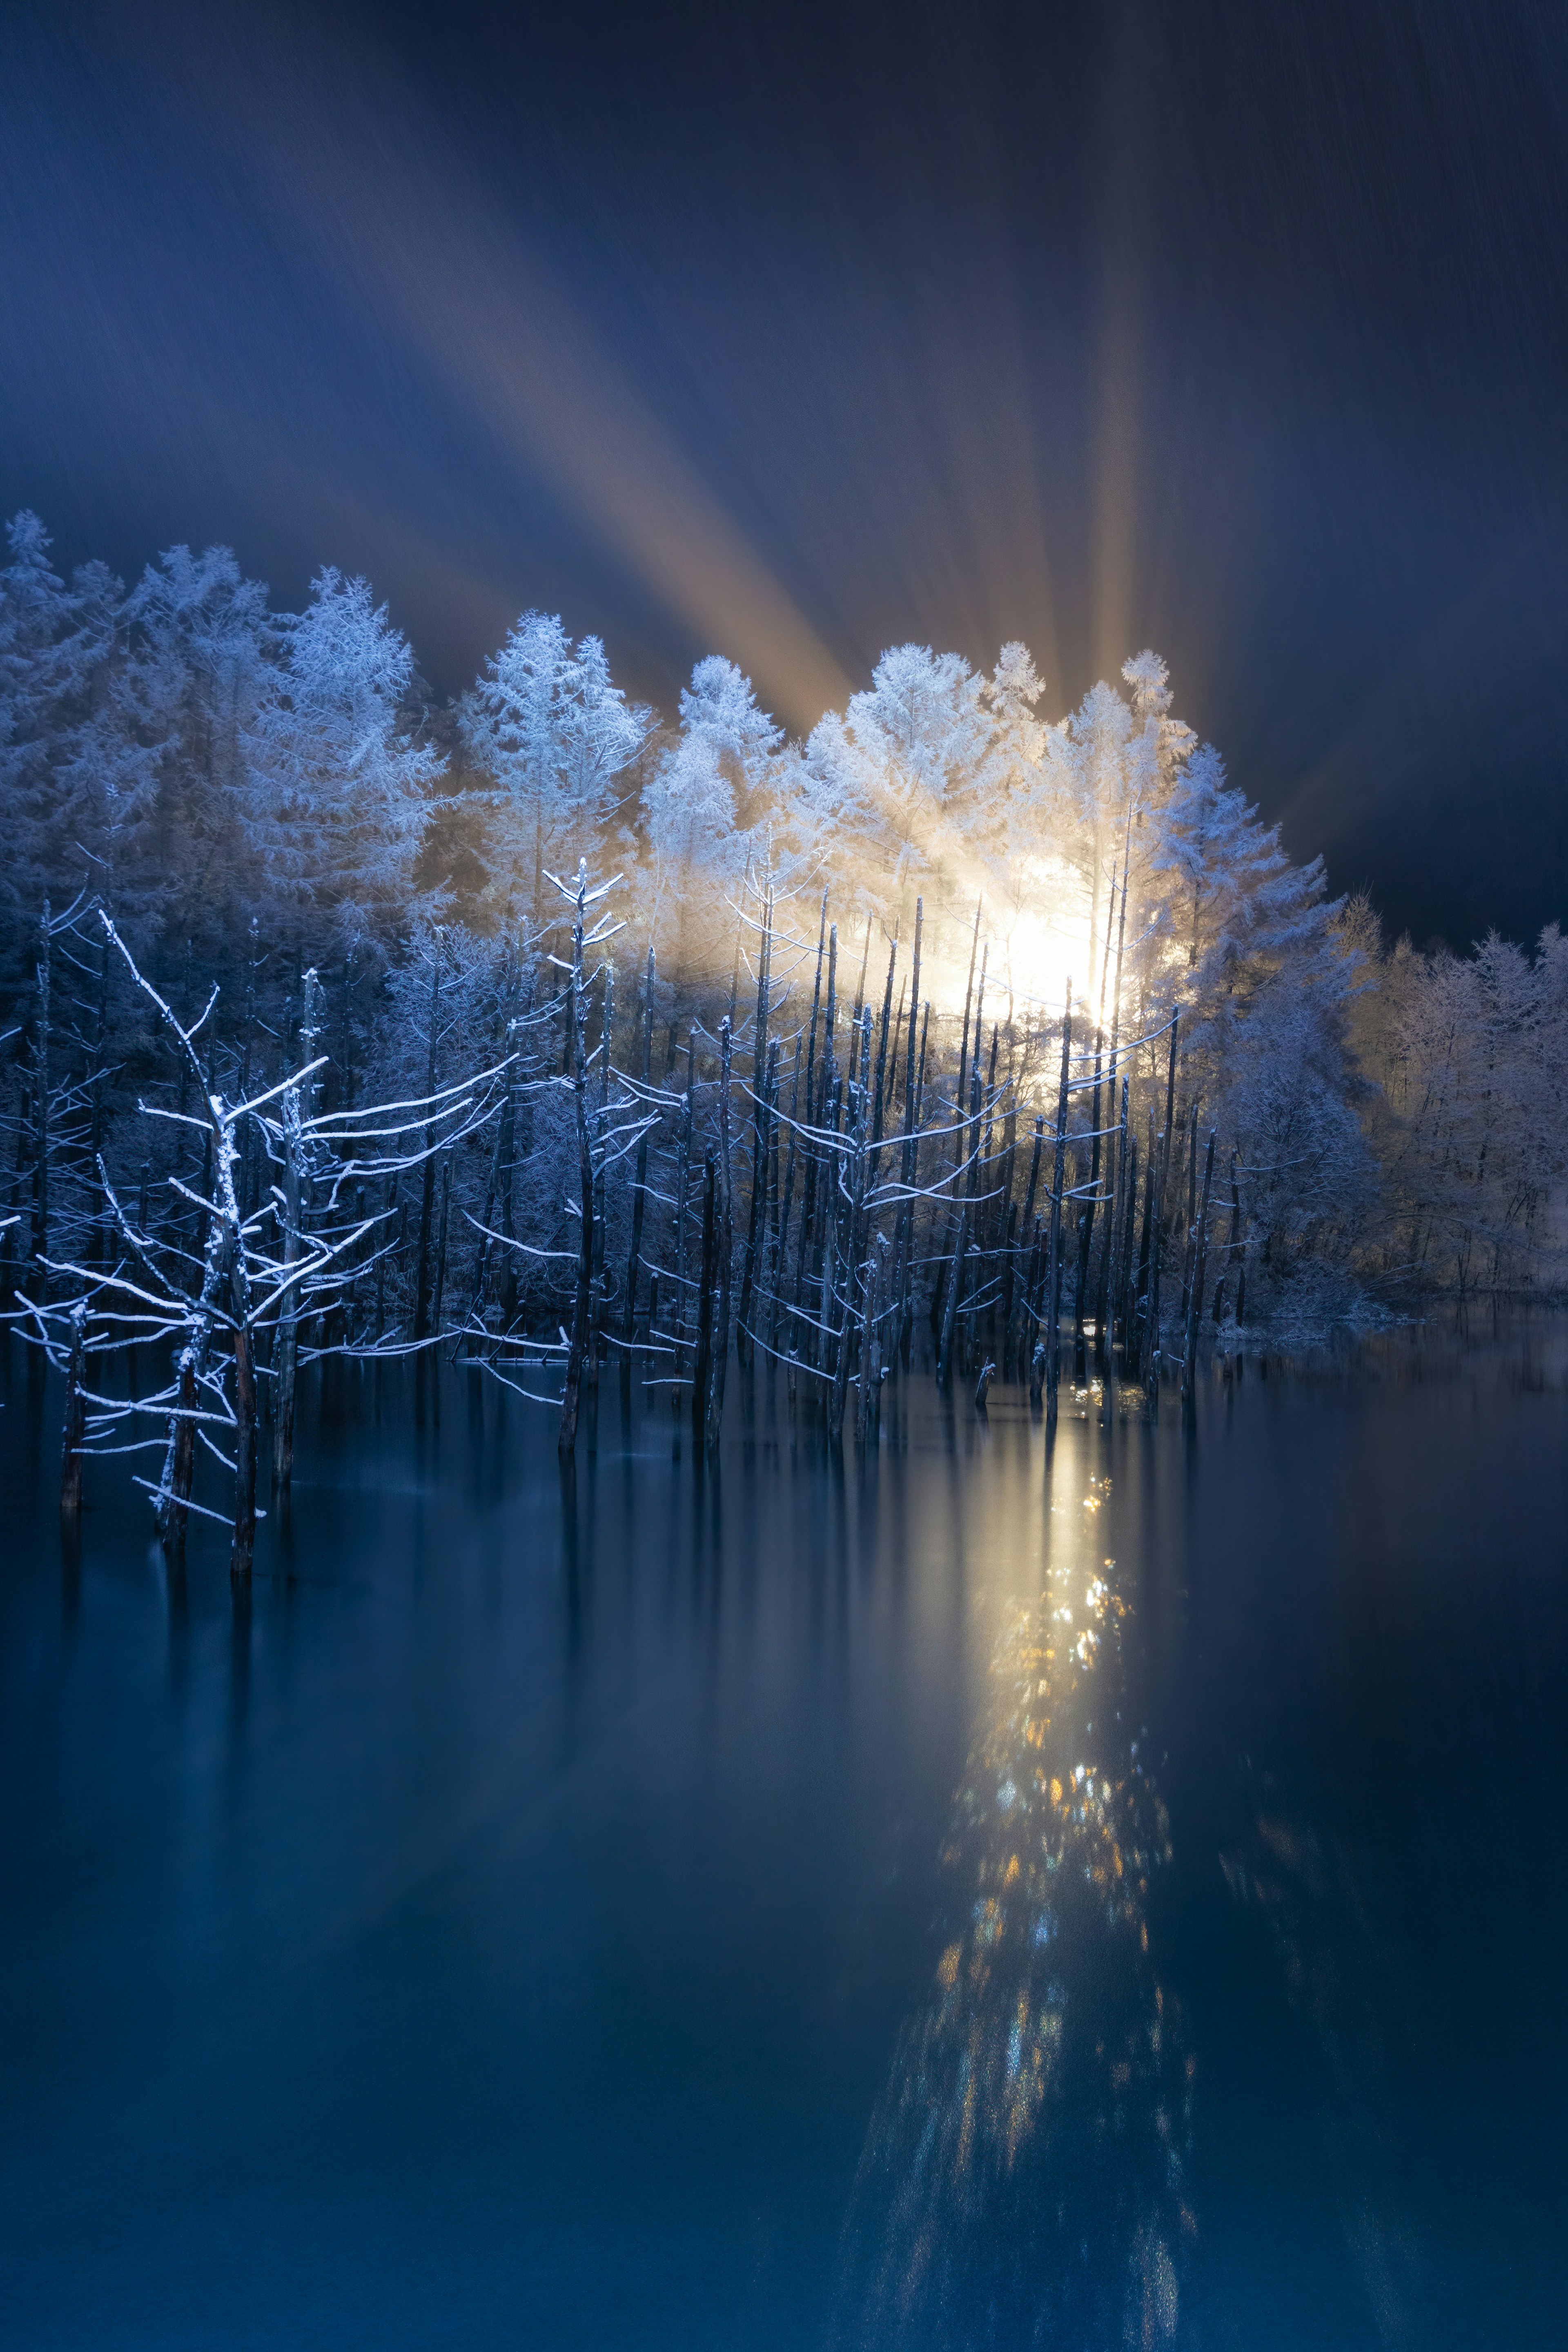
{"x":792,"y":334}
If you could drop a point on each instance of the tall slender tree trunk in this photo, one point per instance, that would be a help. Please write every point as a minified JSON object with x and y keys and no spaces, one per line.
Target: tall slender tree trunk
{"x":968,"y":1139}
{"x":959,"y":1130}
{"x":577,"y":1347}
{"x":243,"y":1548}
{"x":1102,"y":1307}
{"x":1054,"y":1261}
{"x":99,"y":1084}
{"x":1196,"y":1302}
{"x":903,"y":1244}
{"x":639,"y":1190}
{"x":1026,"y":1229}
{"x":428,"y":1187}
{"x":702,"y":1359}
{"x":441,"y":1243}
{"x":854,"y":1272}
{"x":759,"y":1130}
{"x":781,"y":1251}
{"x":43,"y":1142}
{"x":180,"y":1458}
{"x":75,"y":1423}
{"x":725,"y":1242}
{"x":286,"y":1354}
{"x":1152,"y":1329}
{"x":601,"y":1217}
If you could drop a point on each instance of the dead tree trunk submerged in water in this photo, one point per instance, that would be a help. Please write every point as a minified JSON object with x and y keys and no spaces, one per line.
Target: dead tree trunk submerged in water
{"x":853,"y":1222}
{"x":725,"y":1249}
{"x":967,"y":1147}
{"x":1152,"y":1329}
{"x":639,"y":1194}
{"x":577,"y":1347}
{"x":287,"y":1350}
{"x":702,"y":1359}
{"x":75,"y":1427}
{"x":1195,"y":1305}
{"x":1054,"y":1264}
{"x":760,"y":1131}
{"x":428,"y":1191}
{"x":904,"y":1244}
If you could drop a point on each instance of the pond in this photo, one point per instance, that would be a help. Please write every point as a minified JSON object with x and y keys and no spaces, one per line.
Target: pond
{"x":1090,"y":1890}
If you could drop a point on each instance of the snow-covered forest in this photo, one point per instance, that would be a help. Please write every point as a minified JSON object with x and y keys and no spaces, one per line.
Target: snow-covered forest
{"x":901,"y":1032}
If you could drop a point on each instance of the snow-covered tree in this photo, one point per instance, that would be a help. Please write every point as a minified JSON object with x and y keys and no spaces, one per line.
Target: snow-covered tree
{"x":711,"y":803}
{"x":211,"y":767}
{"x":56,"y":644}
{"x":1234,"y":908}
{"x":1254,"y":949}
{"x":338,"y":789}
{"x":1469,"y":1119}
{"x":548,"y":724}
{"x":896,"y":798}
{"x":601,"y":735}
{"x":1019,"y":734}
{"x":922,"y":733}
{"x":185,"y":699}
{"x":1015,"y":826}
{"x":719,"y":707}
{"x":510,"y":720}
{"x":1091,"y":793}
{"x":833,"y":815}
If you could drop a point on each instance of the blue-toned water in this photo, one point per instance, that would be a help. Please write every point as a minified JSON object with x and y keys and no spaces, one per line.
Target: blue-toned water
{"x":1102,"y":1892}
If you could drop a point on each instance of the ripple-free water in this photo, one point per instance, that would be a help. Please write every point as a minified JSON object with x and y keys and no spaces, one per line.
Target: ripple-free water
{"x":1098,"y":1892}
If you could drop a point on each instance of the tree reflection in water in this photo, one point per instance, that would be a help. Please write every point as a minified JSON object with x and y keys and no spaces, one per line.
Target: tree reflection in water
{"x":1024,"y":2178}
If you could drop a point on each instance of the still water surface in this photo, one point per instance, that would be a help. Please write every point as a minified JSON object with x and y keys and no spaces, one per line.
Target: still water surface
{"x":1088,"y":1893}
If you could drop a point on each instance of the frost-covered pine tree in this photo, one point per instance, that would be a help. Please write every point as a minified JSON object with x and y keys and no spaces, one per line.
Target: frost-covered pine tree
{"x":1019,"y":734}
{"x":1091,"y":793}
{"x":1011,"y":824}
{"x":601,"y":735}
{"x":831,"y":813}
{"x":187,"y":696}
{"x":720,"y":707}
{"x":512,"y":721}
{"x":1467,"y":1055}
{"x":922,"y":731}
{"x":547,"y":721}
{"x":1158,"y":746}
{"x":708,"y":807}
{"x":1235,"y":904}
{"x":1254,"y":949}
{"x":1159,"y":743}
{"x":55,"y":645}
{"x":896,"y":795}
{"x":338,"y":790}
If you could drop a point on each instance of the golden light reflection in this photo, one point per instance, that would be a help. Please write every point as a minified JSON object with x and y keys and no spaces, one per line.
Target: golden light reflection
{"x":1027,"y":2159}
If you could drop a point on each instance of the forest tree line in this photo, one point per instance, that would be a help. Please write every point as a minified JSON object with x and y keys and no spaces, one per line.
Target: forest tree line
{"x":1147,"y":1082}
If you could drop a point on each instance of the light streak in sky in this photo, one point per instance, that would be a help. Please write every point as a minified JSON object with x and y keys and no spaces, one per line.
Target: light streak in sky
{"x":397,"y":221}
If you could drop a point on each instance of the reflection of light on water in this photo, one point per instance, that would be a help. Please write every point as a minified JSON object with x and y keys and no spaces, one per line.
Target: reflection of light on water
{"x":1024,"y":2177}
